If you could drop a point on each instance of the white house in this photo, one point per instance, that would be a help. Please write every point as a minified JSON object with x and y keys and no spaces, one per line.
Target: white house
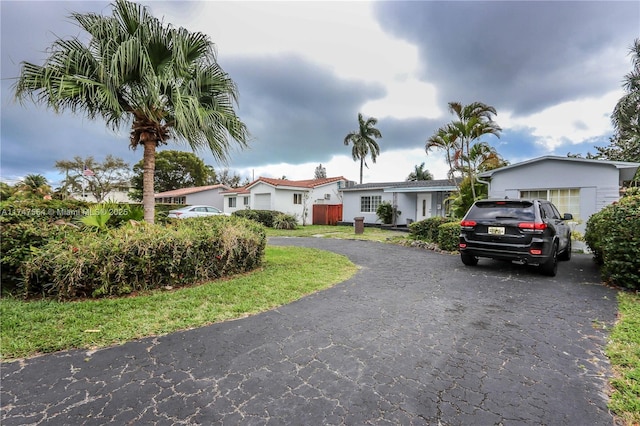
{"x":578,"y":186}
{"x":210,"y":195}
{"x":416,"y":200}
{"x":294,"y":197}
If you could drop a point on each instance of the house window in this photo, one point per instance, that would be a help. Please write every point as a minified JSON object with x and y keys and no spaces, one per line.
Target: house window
{"x":370,"y":203}
{"x":232,"y":202}
{"x":297,"y":198}
{"x":246,"y":201}
{"x":566,"y":200}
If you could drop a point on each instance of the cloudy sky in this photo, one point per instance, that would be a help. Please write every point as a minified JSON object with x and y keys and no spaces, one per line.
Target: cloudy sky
{"x":304,"y":70}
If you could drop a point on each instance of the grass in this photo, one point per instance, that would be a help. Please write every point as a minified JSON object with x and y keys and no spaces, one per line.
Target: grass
{"x":343,"y":232}
{"x":623,"y":351}
{"x":29,"y":328}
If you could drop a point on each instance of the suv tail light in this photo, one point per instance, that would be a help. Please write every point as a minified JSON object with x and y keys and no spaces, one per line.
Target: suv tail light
{"x":468,"y":223}
{"x":532,"y":226}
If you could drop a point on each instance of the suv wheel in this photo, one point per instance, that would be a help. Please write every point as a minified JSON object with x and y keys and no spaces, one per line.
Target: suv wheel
{"x":468,"y":259}
{"x":566,"y":254}
{"x":550,"y":267}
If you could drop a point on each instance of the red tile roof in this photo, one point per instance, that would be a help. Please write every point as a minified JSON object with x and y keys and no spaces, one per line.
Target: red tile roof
{"x":186,"y":191}
{"x":309,"y":183}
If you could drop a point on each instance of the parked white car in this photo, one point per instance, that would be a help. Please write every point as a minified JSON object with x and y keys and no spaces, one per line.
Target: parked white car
{"x":196,"y":211}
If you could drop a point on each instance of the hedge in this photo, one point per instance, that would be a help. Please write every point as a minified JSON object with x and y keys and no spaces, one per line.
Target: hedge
{"x":449,"y":236}
{"x":427,"y":229}
{"x":264,"y":217}
{"x":613,"y":235}
{"x":144,"y":257}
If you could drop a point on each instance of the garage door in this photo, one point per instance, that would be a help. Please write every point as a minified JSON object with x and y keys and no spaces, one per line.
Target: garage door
{"x":262,"y":201}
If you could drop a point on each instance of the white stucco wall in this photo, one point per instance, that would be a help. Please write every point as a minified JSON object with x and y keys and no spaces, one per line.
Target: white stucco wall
{"x":598,"y":183}
{"x":210,"y":197}
{"x":351,"y":205}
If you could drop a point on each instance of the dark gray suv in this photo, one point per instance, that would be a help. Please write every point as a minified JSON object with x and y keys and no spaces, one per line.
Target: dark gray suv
{"x":526,"y":231}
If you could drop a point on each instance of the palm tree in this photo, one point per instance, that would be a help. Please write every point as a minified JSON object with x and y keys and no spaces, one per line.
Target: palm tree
{"x":626,"y":114}
{"x":364,"y":141}
{"x":134,"y":70}
{"x":443,"y":140}
{"x":484,"y":157}
{"x":473,"y":121}
{"x":34,"y":186}
{"x":420,"y":173}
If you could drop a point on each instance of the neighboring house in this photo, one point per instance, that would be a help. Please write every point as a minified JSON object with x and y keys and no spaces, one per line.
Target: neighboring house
{"x":210,"y":195}
{"x":294,"y":197}
{"x":416,"y":200}
{"x":578,"y":186}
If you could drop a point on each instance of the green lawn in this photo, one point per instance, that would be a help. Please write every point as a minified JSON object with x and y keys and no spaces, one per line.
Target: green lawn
{"x":33,"y":327}
{"x":29,"y":328}
{"x":624,"y":352}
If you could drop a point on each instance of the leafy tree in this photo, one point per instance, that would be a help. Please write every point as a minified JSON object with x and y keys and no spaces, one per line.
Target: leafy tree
{"x":420,"y":173}
{"x":473,"y":121}
{"x":459,"y":137}
{"x":33,"y":186}
{"x":625,"y":143}
{"x":320,"y":173}
{"x":226,"y":177}
{"x":174,"y":170}
{"x":364,"y":141}
{"x":135,"y":70}
{"x":97,"y":178}
{"x":443,"y":140}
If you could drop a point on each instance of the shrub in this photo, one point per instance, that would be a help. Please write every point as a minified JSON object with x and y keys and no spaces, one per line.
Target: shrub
{"x":427,"y":229}
{"x":144,"y":257}
{"x":619,"y":241}
{"x":264,"y":217}
{"x":28,"y":224}
{"x":385,"y":212}
{"x":449,"y":236}
{"x":285,"y":221}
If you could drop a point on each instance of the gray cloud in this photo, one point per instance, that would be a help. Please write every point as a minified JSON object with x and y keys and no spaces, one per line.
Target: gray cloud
{"x":295,"y":110}
{"x":518,"y":55}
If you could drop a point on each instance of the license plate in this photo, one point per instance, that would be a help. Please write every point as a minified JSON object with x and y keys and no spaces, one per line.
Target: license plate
{"x":496,"y":230}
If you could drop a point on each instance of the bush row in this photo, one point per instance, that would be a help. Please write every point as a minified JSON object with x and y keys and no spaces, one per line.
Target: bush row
{"x":427,"y":229}
{"x":269,"y":218}
{"x":45,"y":249}
{"x":144,"y":257}
{"x":613,"y":235}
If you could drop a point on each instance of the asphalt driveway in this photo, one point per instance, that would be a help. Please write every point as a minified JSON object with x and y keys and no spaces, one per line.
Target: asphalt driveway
{"x":413,"y":338}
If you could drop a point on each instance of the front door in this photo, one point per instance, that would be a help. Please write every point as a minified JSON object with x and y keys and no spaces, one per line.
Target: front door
{"x":424,"y":207}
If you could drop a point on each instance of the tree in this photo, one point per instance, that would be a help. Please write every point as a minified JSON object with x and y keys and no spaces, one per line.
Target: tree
{"x":625,"y":143}
{"x":364,"y":141}
{"x":420,"y":173}
{"x":163,"y":81}
{"x":97,"y":178}
{"x":473,"y":121}
{"x":458,"y":137}
{"x":174,"y":170}
{"x":33,"y":186}
{"x":443,"y":140}
{"x":225,"y":177}
{"x":320,"y":173}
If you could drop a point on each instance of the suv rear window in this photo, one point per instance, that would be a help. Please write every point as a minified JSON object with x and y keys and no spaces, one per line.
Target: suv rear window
{"x":518,"y":210}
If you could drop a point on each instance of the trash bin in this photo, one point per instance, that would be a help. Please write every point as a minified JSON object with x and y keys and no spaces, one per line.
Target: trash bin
{"x":358,"y":224}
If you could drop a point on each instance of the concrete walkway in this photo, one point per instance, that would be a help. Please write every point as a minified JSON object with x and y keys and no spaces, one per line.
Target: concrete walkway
{"x":414,"y":338}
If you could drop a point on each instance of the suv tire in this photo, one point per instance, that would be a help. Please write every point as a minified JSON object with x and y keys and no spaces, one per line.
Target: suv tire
{"x":550,"y":267}
{"x":468,"y":259}
{"x":566,"y":254}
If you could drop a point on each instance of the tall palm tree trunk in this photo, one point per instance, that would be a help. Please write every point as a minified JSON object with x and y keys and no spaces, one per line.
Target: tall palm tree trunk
{"x":148,"y":166}
{"x":361,"y":164}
